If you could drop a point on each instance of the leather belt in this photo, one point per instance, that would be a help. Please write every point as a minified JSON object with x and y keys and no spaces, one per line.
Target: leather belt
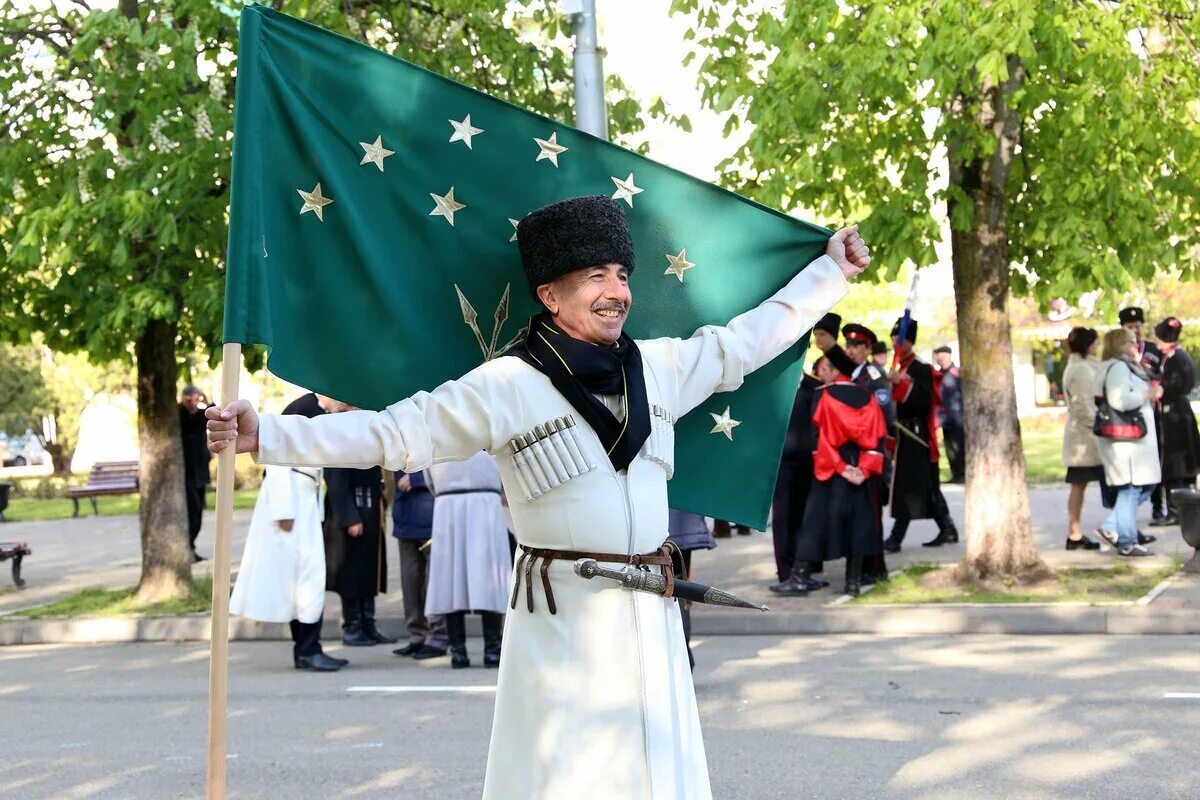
{"x":667,"y":558}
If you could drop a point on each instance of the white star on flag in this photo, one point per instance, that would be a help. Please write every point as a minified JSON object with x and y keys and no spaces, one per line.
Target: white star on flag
{"x":446,"y":205}
{"x":549,"y":148}
{"x":315,"y":202}
{"x":515,"y":223}
{"x":626,"y":189}
{"x":463,"y":131}
{"x":679,"y":264}
{"x":375,"y":153}
{"x":725,"y":423}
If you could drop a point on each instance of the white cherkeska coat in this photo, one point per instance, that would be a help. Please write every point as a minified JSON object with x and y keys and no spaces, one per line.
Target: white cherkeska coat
{"x":595,"y":702}
{"x":282,"y":573}
{"x":469,"y":562}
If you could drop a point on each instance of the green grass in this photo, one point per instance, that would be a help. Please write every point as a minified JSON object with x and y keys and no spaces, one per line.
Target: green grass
{"x":97,"y":602}
{"x":1122,"y":582}
{"x":24,"y":509}
{"x":1043,"y":458}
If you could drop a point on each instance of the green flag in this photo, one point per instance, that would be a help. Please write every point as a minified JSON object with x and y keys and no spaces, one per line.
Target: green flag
{"x":372,"y":242}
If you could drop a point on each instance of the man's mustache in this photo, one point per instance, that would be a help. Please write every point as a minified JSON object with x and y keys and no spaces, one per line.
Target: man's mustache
{"x":610,"y":305}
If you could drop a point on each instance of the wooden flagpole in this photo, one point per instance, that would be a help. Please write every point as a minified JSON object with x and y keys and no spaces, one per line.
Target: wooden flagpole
{"x":218,"y":662}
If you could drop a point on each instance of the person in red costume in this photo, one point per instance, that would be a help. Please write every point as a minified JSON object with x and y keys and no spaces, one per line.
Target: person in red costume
{"x":839,"y":518}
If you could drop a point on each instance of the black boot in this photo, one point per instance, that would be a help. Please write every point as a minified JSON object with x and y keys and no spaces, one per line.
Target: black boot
{"x":368,"y":623}
{"x":493,"y":635}
{"x":893,"y":542}
{"x":945,"y":536}
{"x":797,"y":584}
{"x":853,"y":572}
{"x":352,"y":624}
{"x":456,"y":632}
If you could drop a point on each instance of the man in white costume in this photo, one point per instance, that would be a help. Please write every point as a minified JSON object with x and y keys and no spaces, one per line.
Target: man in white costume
{"x":470,"y":563}
{"x":282,"y":572}
{"x":594,"y":698}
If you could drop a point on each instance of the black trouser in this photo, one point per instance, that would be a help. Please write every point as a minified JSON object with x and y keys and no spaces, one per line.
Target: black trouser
{"x":195,"y":511}
{"x":952,"y":433}
{"x":306,"y":638}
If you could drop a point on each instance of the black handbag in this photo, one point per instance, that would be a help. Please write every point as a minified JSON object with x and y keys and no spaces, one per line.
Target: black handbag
{"x":1120,"y":426}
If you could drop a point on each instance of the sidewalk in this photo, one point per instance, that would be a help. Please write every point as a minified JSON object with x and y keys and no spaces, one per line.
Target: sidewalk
{"x":73,"y":554}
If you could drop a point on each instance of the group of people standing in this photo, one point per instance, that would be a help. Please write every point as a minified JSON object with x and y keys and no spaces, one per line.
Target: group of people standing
{"x":315,"y":530}
{"x":862,"y":437}
{"x":1147,"y":380}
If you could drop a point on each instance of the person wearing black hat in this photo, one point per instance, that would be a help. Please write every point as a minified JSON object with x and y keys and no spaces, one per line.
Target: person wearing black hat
{"x":580,"y":418}
{"x":1133,"y":319}
{"x":860,"y":342}
{"x":839,"y":519}
{"x":1180,"y":439}
{"x":916,"y":490}
{"x":793,"y":485}
{"x":879,"y":355}
{"x":950,"y":411}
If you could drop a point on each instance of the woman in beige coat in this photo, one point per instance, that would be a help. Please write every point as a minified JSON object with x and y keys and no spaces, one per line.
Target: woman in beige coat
{"x":1080,"y":456}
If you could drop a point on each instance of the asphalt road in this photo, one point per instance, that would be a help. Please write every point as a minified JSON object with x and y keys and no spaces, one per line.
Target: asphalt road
{"x":844,"y":718}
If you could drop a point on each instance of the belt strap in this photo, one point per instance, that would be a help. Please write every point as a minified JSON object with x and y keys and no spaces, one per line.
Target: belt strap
{"x":667,"y":558}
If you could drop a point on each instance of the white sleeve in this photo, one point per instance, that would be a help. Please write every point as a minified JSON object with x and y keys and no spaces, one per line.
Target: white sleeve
{"x":453,"y":422}
{"x":280,"y":495}
{"x":718,"y":359}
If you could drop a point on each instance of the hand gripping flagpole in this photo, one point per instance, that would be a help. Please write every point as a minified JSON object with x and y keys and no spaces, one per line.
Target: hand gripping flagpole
{"x":218,"y":661}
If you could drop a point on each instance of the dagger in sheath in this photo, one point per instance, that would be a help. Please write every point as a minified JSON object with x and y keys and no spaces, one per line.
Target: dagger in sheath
{"x":643,"y":581}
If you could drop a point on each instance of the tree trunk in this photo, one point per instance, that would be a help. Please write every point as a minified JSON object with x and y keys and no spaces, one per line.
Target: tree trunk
{"x":166,"y":557}
{"x":998,"y":527}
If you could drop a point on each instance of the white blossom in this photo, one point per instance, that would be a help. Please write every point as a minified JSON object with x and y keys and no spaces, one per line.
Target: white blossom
{"x":204,"y":129}
{"x":85,"y":189}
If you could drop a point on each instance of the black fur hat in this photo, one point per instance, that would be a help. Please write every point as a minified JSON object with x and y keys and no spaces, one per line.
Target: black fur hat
{"x":829,"y":323}
{"x":1168,"y":330}
{"x":912,"y":330}
{"x":573,"y":234}
{"x":1131,"y":314}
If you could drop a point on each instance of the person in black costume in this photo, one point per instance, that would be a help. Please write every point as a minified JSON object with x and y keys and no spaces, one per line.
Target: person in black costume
{"x":196,"y":457}
{"x":355,"y":556}
{"x":916,"y":488}
{"x":1179,"y":437}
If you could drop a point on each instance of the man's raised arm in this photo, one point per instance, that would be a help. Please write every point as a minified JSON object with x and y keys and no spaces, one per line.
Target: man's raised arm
{"x":717,"y":359}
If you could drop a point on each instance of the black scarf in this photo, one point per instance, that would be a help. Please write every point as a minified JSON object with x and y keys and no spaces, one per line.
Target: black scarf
{"x":580,"y":370}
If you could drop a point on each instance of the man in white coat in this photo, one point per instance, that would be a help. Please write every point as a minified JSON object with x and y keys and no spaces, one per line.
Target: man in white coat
{"x":470,"y":563}
{"x":594,"y":698}
{"x":282,"y":572}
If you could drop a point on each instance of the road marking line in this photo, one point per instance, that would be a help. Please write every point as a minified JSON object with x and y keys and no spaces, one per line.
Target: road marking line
{"x":1182,"y":696}
{"x":416,"y":689}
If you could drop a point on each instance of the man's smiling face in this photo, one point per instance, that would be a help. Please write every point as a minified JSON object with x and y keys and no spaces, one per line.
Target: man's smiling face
{"x":590,"y":304}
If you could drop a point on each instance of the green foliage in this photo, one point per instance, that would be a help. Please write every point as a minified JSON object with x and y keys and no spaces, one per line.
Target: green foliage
{"x":115,"y":142}
{"x":856,"y":104}
{"x":23,"y":395}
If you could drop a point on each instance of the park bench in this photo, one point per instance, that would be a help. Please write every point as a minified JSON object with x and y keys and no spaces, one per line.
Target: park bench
{"x":106,"y":477}
{"x":17,"y":552}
